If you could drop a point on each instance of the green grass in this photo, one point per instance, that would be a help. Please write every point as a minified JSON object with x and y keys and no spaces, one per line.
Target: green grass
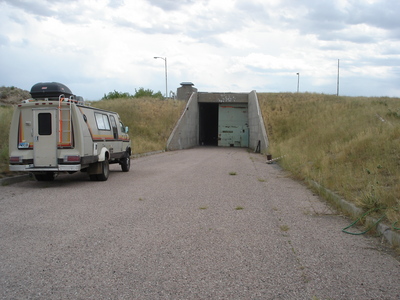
{"x":347,"y":144}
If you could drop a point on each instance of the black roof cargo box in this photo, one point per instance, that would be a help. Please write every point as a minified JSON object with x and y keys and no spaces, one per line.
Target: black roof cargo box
{"x":44,"y":90}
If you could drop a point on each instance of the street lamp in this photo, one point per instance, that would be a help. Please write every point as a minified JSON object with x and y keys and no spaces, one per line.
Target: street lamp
{"x":166,"y":80}
{"x":298,"y":81}
{"x":337,"y":88}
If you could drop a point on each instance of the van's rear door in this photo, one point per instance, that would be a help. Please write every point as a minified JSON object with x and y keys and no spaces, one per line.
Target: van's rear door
{"x":45,"y":137}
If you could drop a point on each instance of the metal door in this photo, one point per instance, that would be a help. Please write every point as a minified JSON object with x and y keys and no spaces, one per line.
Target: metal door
{"x":45,"y":137}
{"x":233,"y":130}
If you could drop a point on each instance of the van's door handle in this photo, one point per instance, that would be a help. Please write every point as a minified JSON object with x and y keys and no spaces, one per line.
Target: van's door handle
{"x":36,"y":138}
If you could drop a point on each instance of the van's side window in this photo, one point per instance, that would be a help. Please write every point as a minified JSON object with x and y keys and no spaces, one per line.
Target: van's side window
{"x":102,"y":121}
{"x":122,"y":127}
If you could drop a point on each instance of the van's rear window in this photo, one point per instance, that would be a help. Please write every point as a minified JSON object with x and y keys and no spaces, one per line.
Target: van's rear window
{"x":44,"y":120}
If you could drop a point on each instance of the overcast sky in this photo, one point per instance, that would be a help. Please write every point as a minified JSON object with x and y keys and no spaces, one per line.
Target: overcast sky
{"x":97,"y":46}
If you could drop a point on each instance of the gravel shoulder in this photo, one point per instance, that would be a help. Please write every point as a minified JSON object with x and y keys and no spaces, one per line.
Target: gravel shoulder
{"x":180,"y":226}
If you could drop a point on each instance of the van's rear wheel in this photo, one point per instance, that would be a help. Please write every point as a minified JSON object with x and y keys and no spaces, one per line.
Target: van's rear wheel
{"x":125,"y":163}
{"x":105,"y":171}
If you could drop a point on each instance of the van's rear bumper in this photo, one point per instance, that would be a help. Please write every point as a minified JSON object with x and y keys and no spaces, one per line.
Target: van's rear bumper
{"x":31,"y":168}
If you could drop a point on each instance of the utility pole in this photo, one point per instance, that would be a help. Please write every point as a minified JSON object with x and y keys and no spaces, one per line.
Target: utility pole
{"x":337,"y":88}
{"x":298,"y":81}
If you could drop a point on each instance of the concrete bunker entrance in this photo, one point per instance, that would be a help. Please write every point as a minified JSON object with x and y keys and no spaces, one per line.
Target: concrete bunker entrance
{"x":220,"y":119}
{"x":223,"y":124}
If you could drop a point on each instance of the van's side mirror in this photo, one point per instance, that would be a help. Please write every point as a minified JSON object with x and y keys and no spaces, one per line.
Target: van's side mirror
{"x":126,"y":129}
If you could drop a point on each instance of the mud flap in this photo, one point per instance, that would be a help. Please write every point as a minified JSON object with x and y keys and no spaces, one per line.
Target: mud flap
{"x":94,"y":168}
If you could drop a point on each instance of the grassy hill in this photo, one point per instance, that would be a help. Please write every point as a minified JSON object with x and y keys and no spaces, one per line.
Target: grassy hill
{"x":12,"y":95}
{"x":348,"y":144}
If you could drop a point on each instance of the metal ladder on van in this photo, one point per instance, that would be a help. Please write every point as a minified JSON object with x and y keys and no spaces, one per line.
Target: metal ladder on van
{"x":64,"y":126}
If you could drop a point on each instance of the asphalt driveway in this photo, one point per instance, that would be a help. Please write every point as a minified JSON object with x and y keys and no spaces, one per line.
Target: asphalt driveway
{"x":204,"y":223}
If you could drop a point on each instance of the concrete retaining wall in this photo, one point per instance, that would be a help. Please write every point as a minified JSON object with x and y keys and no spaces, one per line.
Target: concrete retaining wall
{"x":257,"y":130}
{"x":186,"y":133}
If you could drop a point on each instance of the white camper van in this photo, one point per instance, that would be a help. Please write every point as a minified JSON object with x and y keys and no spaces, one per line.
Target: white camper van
{"x":55,"y":132}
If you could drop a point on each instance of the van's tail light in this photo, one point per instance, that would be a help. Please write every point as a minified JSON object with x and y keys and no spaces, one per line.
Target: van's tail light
{"x":15,"y":159}
{"x":72,"y":158}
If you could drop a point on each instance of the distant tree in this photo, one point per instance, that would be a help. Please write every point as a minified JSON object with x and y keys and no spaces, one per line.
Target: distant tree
{"x":141,"y":92}
{"x":116,"y":95}
{"x":147,"y":93}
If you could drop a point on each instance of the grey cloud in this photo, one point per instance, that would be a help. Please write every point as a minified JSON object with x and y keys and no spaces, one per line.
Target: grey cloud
{"x":346,"y":37}
{"x":4,"y":40}
{"x":156,"y":28}
{"x":383,"y":14}
{"x":45,"y":9}
{"x":327,"y":20}
{"x":170,"y":5}
{"x":252,"y":11}
{"x":38,"y":8}
{"x":384,"y":61}
{"x":115,"y":3}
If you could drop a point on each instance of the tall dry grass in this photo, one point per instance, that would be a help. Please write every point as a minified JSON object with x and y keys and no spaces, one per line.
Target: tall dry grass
{"x":150,"y":120}
{"x":348,"y":144}
{"x":5,"y":120}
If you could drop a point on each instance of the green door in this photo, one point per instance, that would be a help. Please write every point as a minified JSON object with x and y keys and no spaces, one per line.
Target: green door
{"x":233,"y":130}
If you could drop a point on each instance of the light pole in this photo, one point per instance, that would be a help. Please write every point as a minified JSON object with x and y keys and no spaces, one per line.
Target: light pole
{"x":337,"y":87}
{"x":166,"y":80}
{"x":298,"y":81}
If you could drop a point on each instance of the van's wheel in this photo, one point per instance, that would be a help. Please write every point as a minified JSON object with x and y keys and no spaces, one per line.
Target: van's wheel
{"x":125,"y":163}
{"x":105,"y":171}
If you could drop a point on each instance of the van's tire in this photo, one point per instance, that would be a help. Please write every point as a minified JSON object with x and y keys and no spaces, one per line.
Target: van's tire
{"x":105,"y":171}
{"x":125,"y":163}
{"x":48,"y":176}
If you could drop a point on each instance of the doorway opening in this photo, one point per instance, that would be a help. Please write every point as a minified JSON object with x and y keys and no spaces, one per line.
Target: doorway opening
{"x":208,"y":124}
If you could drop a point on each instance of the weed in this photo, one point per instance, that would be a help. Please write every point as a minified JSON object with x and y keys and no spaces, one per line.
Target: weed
{"x":239,"y":208}
{"x":232,"y":173}
{"x":261,"y":180}
{"x":203,"y":207}
{"x":370,"y":198}
{"x":284,"y":228}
